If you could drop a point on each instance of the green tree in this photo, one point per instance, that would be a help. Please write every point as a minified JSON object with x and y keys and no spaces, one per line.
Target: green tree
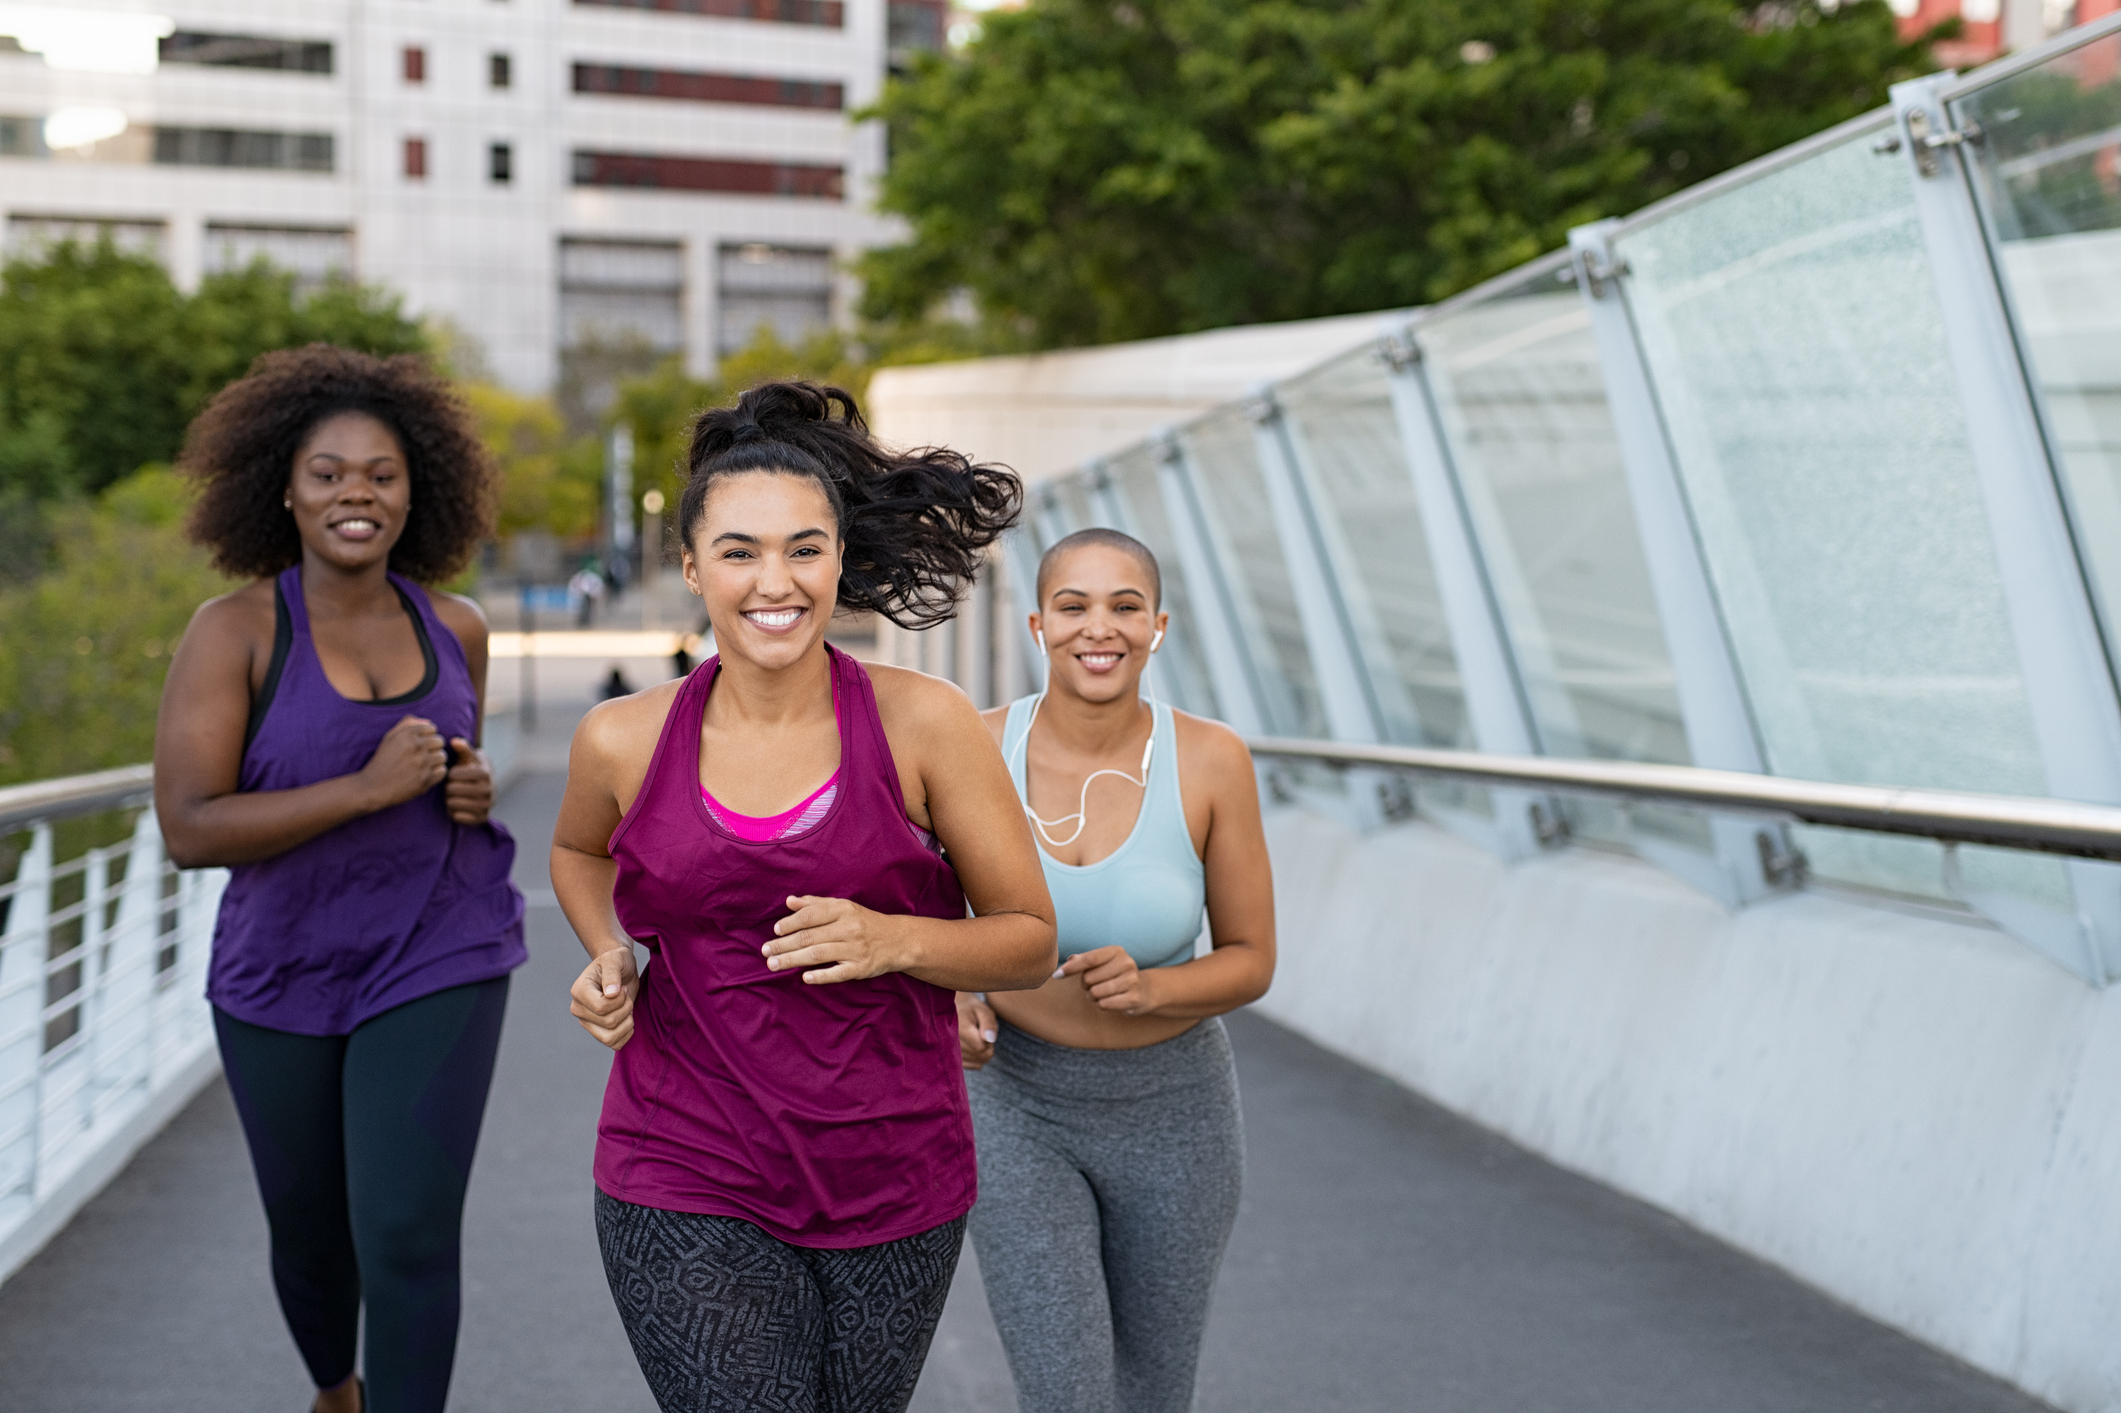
{"x":103,"y":361}
{"x":660,"y":406}
{"x":88,"y":642}
{"x":1094,"y":170}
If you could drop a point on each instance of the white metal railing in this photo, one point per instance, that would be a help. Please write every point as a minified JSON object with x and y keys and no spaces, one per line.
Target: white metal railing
{"x":103,"y":1021}
{"x":2046,"y":826}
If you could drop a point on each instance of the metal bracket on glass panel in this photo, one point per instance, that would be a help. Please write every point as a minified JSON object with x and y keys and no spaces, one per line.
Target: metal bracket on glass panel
{"x":1719,"y":725}
{"x":2069,"y":688}
{"x":1495,"y":706}
{"x":1343,"y":691}
{"x":1229,"y":666}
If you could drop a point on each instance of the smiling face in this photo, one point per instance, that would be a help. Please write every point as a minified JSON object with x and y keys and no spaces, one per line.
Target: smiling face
{"x":1098,"y":621}
{"x":349,"y":491}
{"x":765,"y":557}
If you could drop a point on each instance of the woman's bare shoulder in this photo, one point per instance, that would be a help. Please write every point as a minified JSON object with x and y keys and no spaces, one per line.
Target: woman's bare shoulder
{"x":241,"y":617}
{"x":463,"y":616}
{"x":626,"y":728}
{"x":1212,"y":745}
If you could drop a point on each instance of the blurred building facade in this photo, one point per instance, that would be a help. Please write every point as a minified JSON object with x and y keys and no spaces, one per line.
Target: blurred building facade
{"x":1995,"y":27}
{"x":554,"y":177}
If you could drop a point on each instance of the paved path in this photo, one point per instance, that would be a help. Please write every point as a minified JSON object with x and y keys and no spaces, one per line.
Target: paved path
{"x":1389,"y":1257}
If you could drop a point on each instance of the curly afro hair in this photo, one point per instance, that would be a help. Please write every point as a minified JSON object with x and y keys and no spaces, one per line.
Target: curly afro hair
{"x":241,"y":450}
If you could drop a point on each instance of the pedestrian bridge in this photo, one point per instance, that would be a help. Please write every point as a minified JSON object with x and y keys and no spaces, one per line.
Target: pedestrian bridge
{"x":1683,"y":677}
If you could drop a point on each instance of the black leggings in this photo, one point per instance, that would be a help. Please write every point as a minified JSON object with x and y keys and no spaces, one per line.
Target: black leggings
{"x":726,"y":1319}
{"x":362,"y":1145}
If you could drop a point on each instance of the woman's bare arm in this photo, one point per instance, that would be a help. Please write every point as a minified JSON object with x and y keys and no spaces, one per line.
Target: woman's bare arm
{"x":469,"y":794}
{"x":606,"y":765}
{"x":205,"y":819}
{"x":1240,"y":885}
{"x":942,"y":745}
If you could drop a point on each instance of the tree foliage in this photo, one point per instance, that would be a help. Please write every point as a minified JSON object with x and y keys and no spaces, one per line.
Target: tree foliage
{"x":1094,"y":170}
{"x":660,"y":407}
{"x":88,"y":642}
{"x":103,"y":361}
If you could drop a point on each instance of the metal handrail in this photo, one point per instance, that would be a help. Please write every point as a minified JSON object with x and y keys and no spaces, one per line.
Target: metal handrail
{"x":2003,"y":821}
{"x":74,"y":794}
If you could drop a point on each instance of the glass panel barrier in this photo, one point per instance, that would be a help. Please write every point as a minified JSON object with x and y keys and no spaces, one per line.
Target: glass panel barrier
{"x":1222,"y":462}
{"x":1179,"y":672}
{"x":1340,"y":424}
{"x":2047,"y":176}
{"x":1791,"y":328}
{"x":1521,"y":405}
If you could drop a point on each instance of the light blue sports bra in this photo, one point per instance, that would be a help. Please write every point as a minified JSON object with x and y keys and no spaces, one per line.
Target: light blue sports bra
{"x":1149,"y":894}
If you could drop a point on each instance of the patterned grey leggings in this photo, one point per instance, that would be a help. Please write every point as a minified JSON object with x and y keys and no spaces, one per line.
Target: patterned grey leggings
{"x":725,"y":1319}
{"x":1108,"y":1186}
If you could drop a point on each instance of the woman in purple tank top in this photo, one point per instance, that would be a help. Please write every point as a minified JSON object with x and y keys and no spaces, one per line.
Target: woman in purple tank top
{"x":815,"y":853}
{"x":319,"y":736}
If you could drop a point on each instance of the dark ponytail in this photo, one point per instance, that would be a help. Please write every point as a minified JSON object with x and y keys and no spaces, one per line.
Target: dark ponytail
{"x":914,"y":525}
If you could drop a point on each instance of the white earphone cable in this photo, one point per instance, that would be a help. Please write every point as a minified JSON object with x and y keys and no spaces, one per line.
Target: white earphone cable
{"x":1082,"y":800}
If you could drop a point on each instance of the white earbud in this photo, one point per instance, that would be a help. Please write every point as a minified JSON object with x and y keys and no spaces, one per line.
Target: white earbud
{"x":1156,"y":640}
{"x":1041,"y":636}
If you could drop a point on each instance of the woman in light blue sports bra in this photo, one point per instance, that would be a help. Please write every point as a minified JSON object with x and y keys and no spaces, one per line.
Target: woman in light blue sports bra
{"x":1104,"y":1103}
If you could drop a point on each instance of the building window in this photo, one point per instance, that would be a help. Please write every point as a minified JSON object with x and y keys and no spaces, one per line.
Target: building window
{"x":782,"y":288}
{"x":498,"y":73}
{"x":707,"y":88}
{"x":231,"y":147}
{"x":416,"y":159}
{"x":28,"y":236}
{"x":830,"y":13}
{"x":622,"y":291}
{"x":725,"y":174}
{"x":500,"y":161}
{"x":247,"y":51}
{"x":915,"y":26}
{"x":314,"y":255}
{"x":415,"y":64}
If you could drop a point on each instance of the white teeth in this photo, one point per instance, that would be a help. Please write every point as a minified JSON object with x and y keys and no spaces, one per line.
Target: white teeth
{"x":357,"y":524}
{"x":774,"y":618}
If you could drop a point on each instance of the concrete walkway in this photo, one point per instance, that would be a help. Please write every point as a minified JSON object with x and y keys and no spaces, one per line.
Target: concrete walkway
{"x":1389,"y":1257}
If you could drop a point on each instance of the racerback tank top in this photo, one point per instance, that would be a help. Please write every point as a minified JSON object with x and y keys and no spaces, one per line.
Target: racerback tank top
{"x":383,"y":909}
{"x":828,"y":1116}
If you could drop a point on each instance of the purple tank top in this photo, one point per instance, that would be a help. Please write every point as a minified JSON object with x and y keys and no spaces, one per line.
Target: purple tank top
{"x":828,"y":1116}
{"x":386,"y":908}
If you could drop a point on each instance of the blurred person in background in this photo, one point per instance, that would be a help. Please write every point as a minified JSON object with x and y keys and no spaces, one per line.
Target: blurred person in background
{"x":784,"y":1160}
{"x":1111,"y":1150}
{"x":319,"y":737}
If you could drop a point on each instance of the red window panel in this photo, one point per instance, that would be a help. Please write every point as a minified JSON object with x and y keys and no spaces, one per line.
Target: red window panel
{"x":830,"y":13}
{"x":415,"y":64}
{"x":725,"y":174}
{"x":416,"y":159}
{"x":708,"y":88}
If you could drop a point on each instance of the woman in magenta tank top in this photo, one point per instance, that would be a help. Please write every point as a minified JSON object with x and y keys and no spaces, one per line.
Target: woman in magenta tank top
{"x":815,"y":853}
{"x":319,"y":736}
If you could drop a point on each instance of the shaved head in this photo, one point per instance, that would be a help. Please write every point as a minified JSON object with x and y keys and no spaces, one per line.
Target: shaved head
{"x":1104,"y":539}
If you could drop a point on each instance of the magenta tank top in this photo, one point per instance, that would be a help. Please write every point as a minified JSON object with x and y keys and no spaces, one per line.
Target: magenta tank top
{"x":388,"y":907}
{"x":828,"y":1116}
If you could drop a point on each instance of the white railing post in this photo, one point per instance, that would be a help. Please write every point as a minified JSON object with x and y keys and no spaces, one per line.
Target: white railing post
{"x":1230,"y":666}
{"x":24,"y":945}
{"x":125,"y":1054}
{"x":1345,"y":692}
{"x":1712,"y":703}
{"x":1487,"y":666}
{"x":2069,"y":684}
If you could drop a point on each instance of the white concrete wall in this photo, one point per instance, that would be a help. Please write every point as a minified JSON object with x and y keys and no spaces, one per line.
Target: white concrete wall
{"x":1915,"y":1114}
{"x":1048,"y":413}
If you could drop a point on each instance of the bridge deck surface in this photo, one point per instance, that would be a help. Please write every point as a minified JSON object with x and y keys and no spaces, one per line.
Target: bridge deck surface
{"x":1388,"y":1257}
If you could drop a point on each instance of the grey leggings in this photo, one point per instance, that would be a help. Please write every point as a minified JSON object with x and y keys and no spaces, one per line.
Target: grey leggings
{"x":1108,"y":1185}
